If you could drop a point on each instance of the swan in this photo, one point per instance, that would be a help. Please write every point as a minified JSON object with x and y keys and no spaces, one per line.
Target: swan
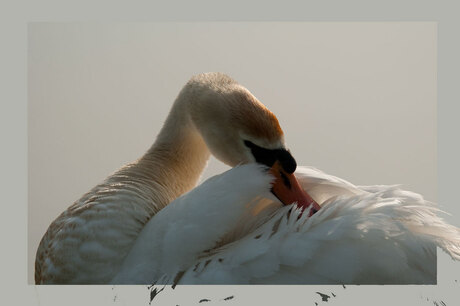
{"x":145,"y":225}
{"x":89,"y":241}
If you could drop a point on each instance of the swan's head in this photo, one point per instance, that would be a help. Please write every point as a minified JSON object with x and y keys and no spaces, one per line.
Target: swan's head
{"x":229,"y":117}
{"x":239,"y":129}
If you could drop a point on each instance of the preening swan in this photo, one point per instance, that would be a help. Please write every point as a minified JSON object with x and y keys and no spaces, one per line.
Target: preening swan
{"x":89,"y":241}
{"x":141,"y":225}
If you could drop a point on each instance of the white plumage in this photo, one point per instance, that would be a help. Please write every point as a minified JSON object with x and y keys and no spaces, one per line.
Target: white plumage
{"x":232,"y":229}
{"x":361,"y":235}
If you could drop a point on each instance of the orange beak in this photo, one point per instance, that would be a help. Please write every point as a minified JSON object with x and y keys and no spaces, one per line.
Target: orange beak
{"x":287,"y":189}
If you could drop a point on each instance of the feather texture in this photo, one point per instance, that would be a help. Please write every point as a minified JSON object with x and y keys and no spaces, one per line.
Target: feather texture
{"x":216,"y":234}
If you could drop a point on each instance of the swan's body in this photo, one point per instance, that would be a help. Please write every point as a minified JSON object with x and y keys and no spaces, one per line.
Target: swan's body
{"x":232,"y":229}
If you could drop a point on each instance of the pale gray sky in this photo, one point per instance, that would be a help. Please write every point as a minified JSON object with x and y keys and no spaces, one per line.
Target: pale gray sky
{"x":356,"y":100}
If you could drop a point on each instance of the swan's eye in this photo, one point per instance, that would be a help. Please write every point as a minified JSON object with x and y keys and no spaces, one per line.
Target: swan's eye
{"x":269,"y":156}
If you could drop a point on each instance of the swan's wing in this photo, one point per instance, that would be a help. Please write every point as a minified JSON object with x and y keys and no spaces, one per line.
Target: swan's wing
{"x":174,"y":238}
{"x":377,"y":235}
{"x":212,"y":235}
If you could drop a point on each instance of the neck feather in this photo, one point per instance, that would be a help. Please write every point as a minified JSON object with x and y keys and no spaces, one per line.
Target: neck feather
{"x":178,"y":156}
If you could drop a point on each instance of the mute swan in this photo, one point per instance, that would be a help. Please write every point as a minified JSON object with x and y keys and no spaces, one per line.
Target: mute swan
{"x":233,"y":229}
{"x":88,"y":242}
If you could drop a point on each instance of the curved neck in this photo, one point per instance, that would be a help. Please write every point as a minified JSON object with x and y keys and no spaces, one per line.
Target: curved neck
{"x":178,"y":156}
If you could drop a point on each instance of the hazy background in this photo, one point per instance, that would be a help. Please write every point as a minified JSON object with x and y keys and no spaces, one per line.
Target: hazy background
{"x":357,"y":100}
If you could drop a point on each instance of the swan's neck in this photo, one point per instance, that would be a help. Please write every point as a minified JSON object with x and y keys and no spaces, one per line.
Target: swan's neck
{"x":178,"y":156}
